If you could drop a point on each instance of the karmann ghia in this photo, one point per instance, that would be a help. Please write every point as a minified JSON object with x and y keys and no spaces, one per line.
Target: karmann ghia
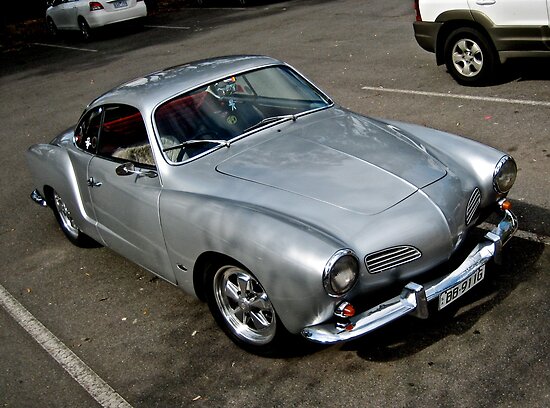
{"x":239,"y":181}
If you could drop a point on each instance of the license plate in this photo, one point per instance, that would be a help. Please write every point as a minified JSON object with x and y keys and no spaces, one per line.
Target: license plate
{"x":120,"y":4}
{"x":452,"y":294}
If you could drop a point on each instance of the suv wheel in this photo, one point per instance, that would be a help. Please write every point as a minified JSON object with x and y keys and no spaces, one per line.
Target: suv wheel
{"x":469,"y":57}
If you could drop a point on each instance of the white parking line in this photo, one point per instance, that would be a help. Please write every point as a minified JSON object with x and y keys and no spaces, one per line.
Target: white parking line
{"x":65,"y":47}
{"x":168,"y":27}
{"x":459,"y":96}
{"x":102,"y":392}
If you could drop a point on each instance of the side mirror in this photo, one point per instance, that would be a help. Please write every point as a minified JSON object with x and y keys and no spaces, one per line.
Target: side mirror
{"x":128,"y":168}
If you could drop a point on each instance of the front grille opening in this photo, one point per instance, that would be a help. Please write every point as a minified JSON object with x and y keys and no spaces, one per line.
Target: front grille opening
{"x":390,"y":258}
{"x":473,"y":206}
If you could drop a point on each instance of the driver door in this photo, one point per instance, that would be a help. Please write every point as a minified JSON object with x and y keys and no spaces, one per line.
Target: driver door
{"x":127,"y":207}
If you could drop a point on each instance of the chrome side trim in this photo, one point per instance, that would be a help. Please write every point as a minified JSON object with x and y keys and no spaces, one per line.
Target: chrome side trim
{"x":414,"y":298}
{"x":38,"y":199}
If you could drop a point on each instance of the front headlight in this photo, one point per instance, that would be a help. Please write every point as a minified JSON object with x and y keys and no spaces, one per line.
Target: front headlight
{"x":341,"y":272}
{"x":504,"y":175}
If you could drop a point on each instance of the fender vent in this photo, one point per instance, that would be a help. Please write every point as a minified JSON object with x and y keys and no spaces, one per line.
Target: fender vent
{"x":390,"y":258}
{"x":473,"y":205}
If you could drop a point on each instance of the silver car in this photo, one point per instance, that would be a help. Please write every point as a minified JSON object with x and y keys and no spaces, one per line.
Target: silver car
{"x":239,"y":181}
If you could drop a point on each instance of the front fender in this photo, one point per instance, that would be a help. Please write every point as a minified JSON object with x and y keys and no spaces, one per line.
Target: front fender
{"x":466,"y":158}
{"x":285,"y":255}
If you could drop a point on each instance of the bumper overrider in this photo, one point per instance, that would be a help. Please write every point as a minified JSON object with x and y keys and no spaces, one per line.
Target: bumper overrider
{"x":414,"y":298}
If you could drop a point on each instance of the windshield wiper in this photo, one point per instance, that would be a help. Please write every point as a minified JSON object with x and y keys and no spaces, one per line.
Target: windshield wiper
{"x":190,"y":142}
{"x":270,"y":119}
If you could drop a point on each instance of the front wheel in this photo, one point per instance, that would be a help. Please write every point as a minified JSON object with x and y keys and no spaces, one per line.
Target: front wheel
{"x":242,"y":308}
{"x":52,"y":28}
{"x":469,"y":57}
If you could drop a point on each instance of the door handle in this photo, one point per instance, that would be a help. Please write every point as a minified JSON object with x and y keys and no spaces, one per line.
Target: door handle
{"x":93,"y":183}
{"x":485,"y":2}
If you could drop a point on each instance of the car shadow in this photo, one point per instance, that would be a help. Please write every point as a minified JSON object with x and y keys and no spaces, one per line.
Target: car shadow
{"x":523,"y":69}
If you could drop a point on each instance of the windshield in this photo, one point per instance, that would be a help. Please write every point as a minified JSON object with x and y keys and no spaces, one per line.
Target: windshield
{"x":226,"y":109}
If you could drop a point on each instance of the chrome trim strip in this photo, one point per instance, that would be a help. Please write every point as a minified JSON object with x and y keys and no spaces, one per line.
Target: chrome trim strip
{"x":414,"y":298}
{"x":38,"y":199}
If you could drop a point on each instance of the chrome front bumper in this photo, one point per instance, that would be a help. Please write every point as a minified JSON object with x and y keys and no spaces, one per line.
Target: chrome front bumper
{"x":414,"y":298}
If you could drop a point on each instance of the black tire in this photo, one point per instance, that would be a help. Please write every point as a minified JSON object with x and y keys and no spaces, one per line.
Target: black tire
{"x":241,"y":307}
{"x":85,"y":30}
{"x":470,"y":57}
{"x":67,"y":223}
{"x":52,"y":28}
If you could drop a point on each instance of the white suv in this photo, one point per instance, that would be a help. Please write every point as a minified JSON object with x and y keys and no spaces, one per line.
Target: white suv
{"x":472,"y":37}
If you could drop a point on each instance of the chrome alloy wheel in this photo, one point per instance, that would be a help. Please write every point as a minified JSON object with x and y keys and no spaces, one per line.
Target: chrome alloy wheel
{"x":467,"y":57}
{"x":244,"y":305}
{"x":65,"y":216}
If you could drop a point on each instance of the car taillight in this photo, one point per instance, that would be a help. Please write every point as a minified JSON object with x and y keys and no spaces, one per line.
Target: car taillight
{"x":417,"y":9}
{"x":95,"y":5}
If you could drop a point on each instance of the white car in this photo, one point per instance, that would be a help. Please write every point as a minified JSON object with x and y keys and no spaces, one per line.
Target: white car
{"x":472,"y":37}
{"x":87,"y":15}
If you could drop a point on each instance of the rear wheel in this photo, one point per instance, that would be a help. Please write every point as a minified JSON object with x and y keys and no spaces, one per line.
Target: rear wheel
{"x":85,"y":29}
{"x":68,"y":224}
{"x":470,"y":57}
{"x":242,"y":308}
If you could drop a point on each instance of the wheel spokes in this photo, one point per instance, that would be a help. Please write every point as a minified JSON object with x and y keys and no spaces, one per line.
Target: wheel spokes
{"x":259,"y":320}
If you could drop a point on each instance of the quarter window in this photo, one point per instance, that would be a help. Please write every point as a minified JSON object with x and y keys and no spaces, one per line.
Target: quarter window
{"x":87,"y":131}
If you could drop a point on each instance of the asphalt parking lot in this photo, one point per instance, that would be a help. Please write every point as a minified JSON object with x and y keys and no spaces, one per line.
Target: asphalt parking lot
{"x":145,"y":343}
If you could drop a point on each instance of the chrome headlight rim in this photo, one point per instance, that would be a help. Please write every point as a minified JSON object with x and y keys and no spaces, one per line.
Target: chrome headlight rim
{"x":503,"y":164}
{"x":329,"y":270}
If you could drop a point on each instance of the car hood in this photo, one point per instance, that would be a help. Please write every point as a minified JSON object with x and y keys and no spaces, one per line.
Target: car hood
{"x":339,"y":158}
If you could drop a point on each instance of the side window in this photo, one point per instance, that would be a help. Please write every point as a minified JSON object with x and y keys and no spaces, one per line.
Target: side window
{"x":87,"y":131}
{"x":123,"y":136}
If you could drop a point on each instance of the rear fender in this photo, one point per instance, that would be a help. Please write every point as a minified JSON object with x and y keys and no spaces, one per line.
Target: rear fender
{"x":51,"y":168}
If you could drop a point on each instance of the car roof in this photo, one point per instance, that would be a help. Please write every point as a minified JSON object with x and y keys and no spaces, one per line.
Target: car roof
{"x":146,"y":92}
